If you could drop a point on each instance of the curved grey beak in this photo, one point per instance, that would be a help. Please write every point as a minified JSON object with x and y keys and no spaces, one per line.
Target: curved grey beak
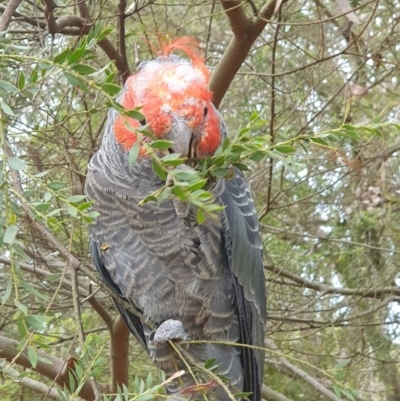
{"x":181,"y":134}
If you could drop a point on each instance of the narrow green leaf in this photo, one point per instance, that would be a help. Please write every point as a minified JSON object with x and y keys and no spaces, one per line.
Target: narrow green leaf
{"x":32,"y":356}
{"x":161,"y":144}
{"x":219,"y":172}
{"x":133,"y":154}
{"x":83,"y":69}
{"x":21,"y":80}
{"x":200,"y":216}
{"x":61,"y":57}
{"x":158,"y":169}
{"x":34,"y":75}
{"x":7,"y":291}
{"x":42,"y":174}
{"x":188,"y":176}
{"x":285,"y":149}
{"x":242,"y":395}
{"x":75,"y":81}
{"x":16,"y":163}
{"x":47,"y":196}
{"x":73,"y":211}
{"x":135,"y":114}
{"x":76,"y":198}
{"x":10,"y":234}
{"x":319,"y":141}
{"x":56,"y":185}
{"x":337,"y":392}
{"x":111,"y":89}
{"x":21,"y":307}
{"x":6,"y":108}
{"x":210,"y":362}
{"x":7,"y":87}
{"x":76,"y":55}
{"x":145,"y":397}
{"x":37,"y":322}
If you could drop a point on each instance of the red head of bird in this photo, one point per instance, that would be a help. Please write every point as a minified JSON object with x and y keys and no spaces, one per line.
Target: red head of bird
{"x":175,"y":100}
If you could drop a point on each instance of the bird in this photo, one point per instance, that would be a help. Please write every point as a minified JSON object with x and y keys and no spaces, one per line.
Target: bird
{"x":191,"y":282}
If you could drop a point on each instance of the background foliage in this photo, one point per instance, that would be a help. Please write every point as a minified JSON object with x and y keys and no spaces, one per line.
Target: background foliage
{"x":320,"y":85}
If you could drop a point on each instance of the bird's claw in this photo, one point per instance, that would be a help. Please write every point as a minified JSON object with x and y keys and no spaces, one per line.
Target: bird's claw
{"x":168,"y":330}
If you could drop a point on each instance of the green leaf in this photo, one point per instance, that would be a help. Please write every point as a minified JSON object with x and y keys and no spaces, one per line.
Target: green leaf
{"x":110,"y":89}
{"x":21,"y":307}
{"x":37,"y":322}
{"x":16,"y":163}
{"x":209,"y":363}
{"x":133,"y":154}
{"x":219,"y":172}
{"x":343,"y":364}
{"x":319,"y":141}
{"x":61,"y":57}
{"x":76,"y":55}
{"x":145,"y":397}
{"x":83,"y":69}
{"x":158,"y":169}
{"x":42,"y":174}
{"x":7,"y":87}
{"x":73,"y":211}
{"x":7,"y":291}
{"x":56,"y":185}
{"x":135,"y":114}
{"x":10,"y":234}
{"x":76,"y":198}
{"x":32,"y":356}
{"x":187,"y":176}
{"x":21,"y":80}
{"x":242,"y":395}
{"x":200,"y":216}
{"x":161,"y":144}
{"x":47,"y":196}
{"x":41,"y":207}
{"x":173,"y":159}
{"x":34,"y":75}
{"x":337,"y":392}
{"x":75,"y":81}
{"x":6,"y":108}
{"x":285,"y":149}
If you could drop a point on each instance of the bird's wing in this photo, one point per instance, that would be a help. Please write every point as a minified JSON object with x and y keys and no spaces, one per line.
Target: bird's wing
{"x":244,"y":252}
{"x":132,"y":321}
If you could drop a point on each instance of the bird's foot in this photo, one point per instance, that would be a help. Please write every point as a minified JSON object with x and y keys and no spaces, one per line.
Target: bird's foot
{"x":168,"y":330}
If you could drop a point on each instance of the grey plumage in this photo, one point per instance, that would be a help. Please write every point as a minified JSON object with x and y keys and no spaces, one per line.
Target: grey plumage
{"x":210,"y":276}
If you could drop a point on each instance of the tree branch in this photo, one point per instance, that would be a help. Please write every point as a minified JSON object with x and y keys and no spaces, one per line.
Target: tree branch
{"x":301,"y":374}
{"x":56,"y":371}
{"x":92,"y":300}
{"x":245,"y":32}
{"x":271,"y":395}
{"x":8,"y":14}
{"x":31,"y":384}
{"x":363,"y":292}
{"x":75,"y":25}
{"x":119,"y":354}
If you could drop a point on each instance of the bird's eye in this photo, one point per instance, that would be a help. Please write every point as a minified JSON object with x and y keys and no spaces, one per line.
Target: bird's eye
{"x":205,"y":111}
{"x":143,"y":122}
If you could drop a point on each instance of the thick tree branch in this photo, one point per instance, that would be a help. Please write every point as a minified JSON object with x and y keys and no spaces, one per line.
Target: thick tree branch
{"x":271,"y":395}
{"x":56,"y":371}
{"x":33,"y":385}
{"x":8,"y":14}
{"x":75,"y":25}
{"x":119,"y":353}
{"x":297,"y":372}
{"x":245,"y":32}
